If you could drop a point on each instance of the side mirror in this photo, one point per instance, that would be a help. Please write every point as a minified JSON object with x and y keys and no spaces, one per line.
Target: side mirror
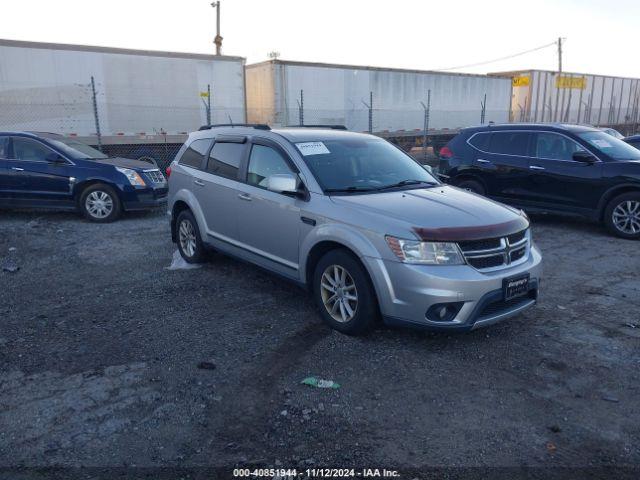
{"x":584,"y":157}
{"x":283,"y":183}
{"x":429,"y":169}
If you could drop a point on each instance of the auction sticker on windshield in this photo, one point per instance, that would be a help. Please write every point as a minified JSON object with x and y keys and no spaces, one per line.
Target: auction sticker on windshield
{"x":312,"y":148}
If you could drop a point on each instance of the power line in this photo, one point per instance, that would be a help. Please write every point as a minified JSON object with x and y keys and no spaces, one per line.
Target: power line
{"x":498,"y":59}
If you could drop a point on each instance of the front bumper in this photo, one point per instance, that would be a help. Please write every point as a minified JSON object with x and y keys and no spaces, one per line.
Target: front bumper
{"x":405,"y":292}
{"x":145,"y":198}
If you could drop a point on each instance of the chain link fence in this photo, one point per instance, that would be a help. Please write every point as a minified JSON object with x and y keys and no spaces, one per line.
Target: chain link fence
{"x":153,"y":129}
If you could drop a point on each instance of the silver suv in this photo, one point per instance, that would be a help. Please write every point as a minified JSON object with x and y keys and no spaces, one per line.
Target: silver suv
{"x":355,"y":220}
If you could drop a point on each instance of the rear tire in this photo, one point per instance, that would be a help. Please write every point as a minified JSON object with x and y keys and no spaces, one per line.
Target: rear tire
{"x":622,"y":216}
{"x":472,"y":186}
{"x":188,"y":238}
{"x":100,"y":203}
{"x":344,"y":293}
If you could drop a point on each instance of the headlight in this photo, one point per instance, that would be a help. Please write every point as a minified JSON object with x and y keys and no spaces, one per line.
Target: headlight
{"x":427,"y":253}
{"x":133,"y":176}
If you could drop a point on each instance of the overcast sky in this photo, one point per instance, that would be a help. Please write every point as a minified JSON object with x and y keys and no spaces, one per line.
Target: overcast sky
{"x":601,"y":36}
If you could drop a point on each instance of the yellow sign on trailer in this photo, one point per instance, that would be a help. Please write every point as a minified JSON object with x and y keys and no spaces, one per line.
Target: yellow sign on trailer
{"x":521,"y":81}
{"x":567,"y":81}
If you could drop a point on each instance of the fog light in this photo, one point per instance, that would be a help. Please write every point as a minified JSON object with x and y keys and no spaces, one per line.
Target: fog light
{"x":443,"y":312}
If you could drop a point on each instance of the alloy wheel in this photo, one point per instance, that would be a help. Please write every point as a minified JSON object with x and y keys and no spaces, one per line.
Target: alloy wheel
{"x":99,"y":204}
{"x":339,"y":293}
{"x":626,"y":217}
{"x":187,"y":237}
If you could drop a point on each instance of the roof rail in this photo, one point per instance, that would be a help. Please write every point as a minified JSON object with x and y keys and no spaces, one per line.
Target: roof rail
{"x":258,"y":126}
{"x":332,"y":127}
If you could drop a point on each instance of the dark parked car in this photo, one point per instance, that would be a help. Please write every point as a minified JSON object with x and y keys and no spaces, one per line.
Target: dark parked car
{"x":633,"y":140}
{"x":550,"y":167}
{"x":46,"y":170}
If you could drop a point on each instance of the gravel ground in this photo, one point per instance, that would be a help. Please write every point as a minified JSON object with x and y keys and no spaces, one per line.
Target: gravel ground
{"x":101,"y":351}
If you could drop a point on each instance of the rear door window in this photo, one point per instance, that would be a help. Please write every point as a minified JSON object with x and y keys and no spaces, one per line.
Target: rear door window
{"x":224,"y":159}
{"x":510,"y":143}
{"x":194,"y":154}
{"x":4,"y":148}
{"x":552,"y":146}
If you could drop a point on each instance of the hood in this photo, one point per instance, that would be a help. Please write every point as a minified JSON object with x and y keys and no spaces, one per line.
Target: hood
{"x":127,"y":163}
{"x":442,"y":213}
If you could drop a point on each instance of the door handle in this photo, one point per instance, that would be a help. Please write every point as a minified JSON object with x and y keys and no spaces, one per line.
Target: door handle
{"x":482,"y":160}
{"x":536,"y":167}
{"x":17,"y":169}
{"x":244,"y":196}
{"x":200,"y":183}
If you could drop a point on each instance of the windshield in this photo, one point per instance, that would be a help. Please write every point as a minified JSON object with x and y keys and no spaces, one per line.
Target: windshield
{"x":362,"y":164}
{"x":75,"y":149}
{"x":611,"y":146}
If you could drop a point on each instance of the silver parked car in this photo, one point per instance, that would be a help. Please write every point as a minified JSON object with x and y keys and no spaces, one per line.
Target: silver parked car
{"x":355,"y":220}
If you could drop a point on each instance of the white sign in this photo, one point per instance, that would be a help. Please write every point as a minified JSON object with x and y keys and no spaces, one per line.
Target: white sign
{"x":312,"y":148}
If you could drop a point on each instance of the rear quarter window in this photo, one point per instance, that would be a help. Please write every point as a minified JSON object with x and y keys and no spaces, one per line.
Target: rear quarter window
{"x":480,"y":141}
{"x":193,"y":156}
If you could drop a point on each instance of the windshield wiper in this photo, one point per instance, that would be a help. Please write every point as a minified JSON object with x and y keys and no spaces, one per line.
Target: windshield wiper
{"x":404,"y":183}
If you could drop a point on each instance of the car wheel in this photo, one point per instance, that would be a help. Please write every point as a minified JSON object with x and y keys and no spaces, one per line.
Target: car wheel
{"x":472,"y":186}
{"x":344,"y":294}
{"x":100,"y":203}
{"x":188,"y":237}
{"x":622,"y":216}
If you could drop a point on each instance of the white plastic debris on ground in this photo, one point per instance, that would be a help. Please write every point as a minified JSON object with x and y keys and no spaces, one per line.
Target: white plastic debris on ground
{"x":178,"y":263}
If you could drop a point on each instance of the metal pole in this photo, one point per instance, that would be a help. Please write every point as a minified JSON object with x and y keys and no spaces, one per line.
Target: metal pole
{"x":558,"y":79}
{"x":218,"y":39}
{"x":95,"y":112}
{"x":582,"y":84}
{"x":370,"y":112}
{"x":208,"y":104}
{"x":483,"y":110}
{"x":427,"y":109}
{"x":301,"y":109}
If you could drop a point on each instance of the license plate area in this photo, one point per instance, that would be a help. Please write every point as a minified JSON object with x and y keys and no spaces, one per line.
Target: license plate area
{"x":514,"y":287}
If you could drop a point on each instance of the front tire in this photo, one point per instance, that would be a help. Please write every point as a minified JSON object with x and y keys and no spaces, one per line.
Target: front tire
{"x":472,"y":186}
{"x":100,"y":203}
{"x":344,"y":294}
{"x":188,"y":238}
{"x":622,"y":216}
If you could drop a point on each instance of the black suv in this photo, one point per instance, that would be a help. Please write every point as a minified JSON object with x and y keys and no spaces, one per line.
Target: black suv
{"x":550,"y":167}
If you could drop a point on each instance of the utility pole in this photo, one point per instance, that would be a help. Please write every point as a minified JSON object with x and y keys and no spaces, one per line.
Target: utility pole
{"x":559,"y":54}
{"x":558,"y":79}
{"x":218,"y":39}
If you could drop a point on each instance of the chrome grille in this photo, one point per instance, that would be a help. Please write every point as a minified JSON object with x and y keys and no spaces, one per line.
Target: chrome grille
{"x":155,"y":176}
{"x":496,"y":253}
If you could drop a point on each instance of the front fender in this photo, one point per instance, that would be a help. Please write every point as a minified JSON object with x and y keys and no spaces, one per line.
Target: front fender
{"x":362,"y":244}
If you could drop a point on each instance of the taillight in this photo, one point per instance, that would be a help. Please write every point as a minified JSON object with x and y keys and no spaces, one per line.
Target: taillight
{"x":168,"y":170}
{"x":446,"y":152}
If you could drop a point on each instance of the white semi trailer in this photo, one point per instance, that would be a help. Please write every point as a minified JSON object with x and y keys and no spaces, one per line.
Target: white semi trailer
{"x":288,"y":93}
{"x":569,"y":97}
{"x":145,"y":98}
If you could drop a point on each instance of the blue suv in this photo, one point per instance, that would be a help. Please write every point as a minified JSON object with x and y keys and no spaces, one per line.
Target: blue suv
{"x":45,"y":170}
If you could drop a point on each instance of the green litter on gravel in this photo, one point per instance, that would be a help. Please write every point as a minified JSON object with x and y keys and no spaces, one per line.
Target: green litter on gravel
{"x":319,"y":383}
